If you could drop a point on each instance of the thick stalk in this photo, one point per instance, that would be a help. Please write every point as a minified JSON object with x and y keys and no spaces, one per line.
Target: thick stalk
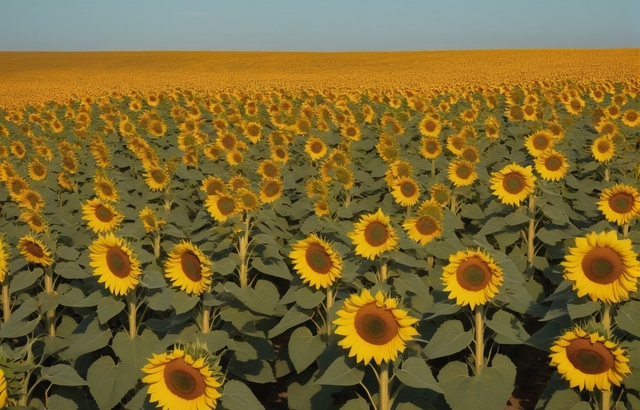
{"x":6,"y":303}
{"x":51,"y":314}
{"x":156,"y":245}
{"x":607,"y":173}
{"x":408,"y":215}
{"x":625,"y":230}
{"x":206,"y":318}
{"x":454,"y":203}
{"x":433,"y":168}
{"x":329,"y":304}
{"x":382,"y":274}
{"x":531,"y":234}
{"x":347,"y":198}
{"x":606,"y":323}
{"x":383,"y":394}
{"x":479,"y":340}
{"x":243,"y":250}
{"x":131,"y":301}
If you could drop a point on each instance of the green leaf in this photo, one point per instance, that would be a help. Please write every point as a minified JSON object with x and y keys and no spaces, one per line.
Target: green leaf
{"x":628,"y":317}
{"x":307,"y":298}
{"x":57,"y":402}
{"x":263,"y":299}
{"x":356,"y":404}
{"x":495,"y":224}
{"x":87,"y":337}
{"x":416,"y":373}
{"x":67,"y":253}
{"x":567,"y":400}
{"x":237,"y":396}
{"x":108,"y":307}
{"x":508,"y":328}
{"x":183,"y":302}
{"x":549,"y":237}
{"x":153,"y":278}
{"x":71,"y":270}
{"x":341,"y":373}
{"x":304,"y":348}
{"x":24,"y":280}
{"x":215,"y":340}
{"x":582,"y":308}
{"x":108,"y":382}
{"x":134,"y":352}
{"x":488,"y":390}
{"x":62,"y":375}
{"x":278,"y":269}
{"x":516,"y":218}
{"x":17,"y":326}
{"x":450,"y":338}
{"x":295,"y":316}
{"x":255,"y":371}
{"x":406,"y":260}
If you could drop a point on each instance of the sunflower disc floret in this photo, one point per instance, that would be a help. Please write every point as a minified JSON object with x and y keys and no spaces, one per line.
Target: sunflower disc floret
{"x":373,"y":235}
{"x":316,"y":261}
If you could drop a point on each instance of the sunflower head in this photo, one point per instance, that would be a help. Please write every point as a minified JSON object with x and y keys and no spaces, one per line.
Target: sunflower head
{"x":462,"y":173}
{"x":34,"y":250}
{"x":512,"y":184}
{"x":620,"y":203}
{"x":551,"y":165}
{"x":405,"y":191}
{"x":222,"y":206}
{"x":150,"y":220}
{"x":4,"y":259}
{"x":603,"y":149}
{"x":472,"y":278}
{"x":316,"y":261}
{"x":440,"y":193}
{"x":100,"y":216}
{"x":588,"y":360}
{"x":374,"y":328}
{"x":373,"y":235}
{"x":114,"y":263}
{"x":188,"y":268}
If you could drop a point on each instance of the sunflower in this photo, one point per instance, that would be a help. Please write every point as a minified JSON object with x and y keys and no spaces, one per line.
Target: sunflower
{"x":253,"y":131}
{"x":221,"y":206}
{"x":188,"y":268}
{"x":374,"y":327}
{"x":34,"y":220}
{"x":34,"y":250}
{"x":213,"y":185}
{"x":603,"y":267}
{"x":316,"y":148}
{"x":114,"y":263}
{"x":620,"y":204}
{"x":575,"y":105}
{"x":538,"y":142}
{"x":321,"y":208}
{"x":150,"y":220}
{"x":607,"y":127}
{"x":470,"y":153}
{"x":430,"y":148}
{"x":64,"y":182}
{"x":373,"y":235}
{"x":4,"y":268}
{"x":156,"y":178}
{"x":279,"y":153}
{"x":612,"y":111}
{"x":589,"y":360}
{"x":492,"y":128}
{"x":247,"y":199}
{"x":631,"y":118}
{"x":351,"y":132}
{"x":344,"y":176}
{"x":4,"y":396}
{"x":316,"y":261}
{"x":514,"y":113}
{"x":405,"y":191}
{"x":440,"y":193}
{"x":429,"y":127}
{"x":472,"y":278}
{"x":30,"y":199}
{"x":37,"y":170}
{"x":105,"y":189}
{"x":603,"y":148}
{"x":551,"y":165}
{"x":101,"y":217}
{"x":212,"y":151}
{"x":270,"y":190}
{"x":462,"y":173}
{"x":227,"y":141}
{"x":512,"y":184}
{"x":16,"y":185}
{"x":178,"y":382}
{"x":268,"y":169}
{"x":17,"y":149}
{"x":456,"y":143}
{"x":423,"y":229}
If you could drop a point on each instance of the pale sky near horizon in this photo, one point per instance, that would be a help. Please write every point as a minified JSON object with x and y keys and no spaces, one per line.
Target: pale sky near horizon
{"x":327,"y":25}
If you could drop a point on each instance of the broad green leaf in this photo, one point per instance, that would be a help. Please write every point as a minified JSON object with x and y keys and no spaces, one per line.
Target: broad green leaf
{"x":255,"y":371}
{"x":567,"y":400}
{"x":67,"y":253}
{"x":57,"y":402}
{"x":134,"y":352}
{"x":153,"y":278}
{"x":307,"y":395}
{"x":471,"y":211}
{"x":488,"y":390}
{"x":243,"y":351}
{"x":416,"y":373}
{"x":550,"y":237}
{"x":582,"y":308}
{"x":108,"y":307}
{"x":108,"y":382}
{"x":62,"y":375}
{"x":295,"y":316}
{"x":308,"y":298}
{"x":87,"y":337}
{"x":516,"y":218}
{"x":183,"y":302}
{"x":304,"y":348}
{"x":263,"y":299}
{"x":71,"y":270}
{"x":278,"y":269}
{"x":24,"y":280}
{"x":17,"y":325}
{"x":215,"y":340}
{"x":495,"y":224}
{"x":508,"y":328}
{"x":237,"y":396}
{"x":628,"y":317}
{"x":410,"y":283}
{"x":356,"y":404}
{"x":341,"y":373}
{"x":407,"y":260}
{"x":450,"y":338}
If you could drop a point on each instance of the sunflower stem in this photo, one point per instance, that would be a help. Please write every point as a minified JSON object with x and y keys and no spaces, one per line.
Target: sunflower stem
{"x":532,"y":230}
{"x":156,"y":245}
{"x":6,"y":303}
{"x":408,"y":212}
{"x":607,"y":173}
{"x":383,"y":395}
{"x":347,"y":198}
{"x":206,"y":317}
{"x":51,"y":314}
{"x":328,"y":308}
{"x":625,"y":230}
{"x":382,"y":274}
{"x":454,"y":204}
{"x":606,"y":400}
{"x":606,"y":319}
{"x":243,"y":247}
{"x":433,"y":168}
{"x":479,"y":340}
{"x":133,"y":310}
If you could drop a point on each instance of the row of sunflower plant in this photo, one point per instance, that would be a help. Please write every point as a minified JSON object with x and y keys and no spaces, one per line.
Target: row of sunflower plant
{"x":350,"y":248}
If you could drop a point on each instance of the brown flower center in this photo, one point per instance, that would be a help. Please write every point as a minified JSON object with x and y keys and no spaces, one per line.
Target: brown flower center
{"x":622,"y":202}
{"x":529,"y":110}
{"x":34,"y":250}
{"x":183,"y":380}
{"x":158,"y":176}
{"x":603,"y":146}
{"x":431,"y":147}
{"x":541,"y":142}
{"x":441,"y":196}
{"x":38,"y":170}
{"x":228,"y":141}
{"x":375,"y":234}
{"x":316,"y":147}
{"x":213,"y":187}
{"x":426,"y":225}
{"x":473,"y":274}
{"x":408,"y":189}
{"x":103,"y":213}
{"x":191,"y":267}
{"x":516,"y":112}
{"x":270,"y":170}
{"x":118,"y":262}
{"x":590,"y":358}
{"x":430,"y":126}
{"x":602,"y":265}
{"x":106,"y":190}
{"x":576,"y":105}
{"x":271,"y":188}
{"x":375,"y":325}
{"x":631,"y":116}
{"x":318,"y":259}
{"x":226,"y":205}
{"x":463,"y":171}
{"x":458,"y":142}
{"x":553,"y":163}
{"x":470,"y":154}
{"x":253,"y":130}
{"x":513,"y":183}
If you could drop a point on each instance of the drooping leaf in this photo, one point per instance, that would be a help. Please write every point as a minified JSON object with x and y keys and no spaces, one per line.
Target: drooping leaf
{"x":24,"y":280}
{"x":237,"y":396}
{"x":628,"y":317}
{"x":508,"y":328}
{"x":108,"y":307}
{"x":416,"y":373}
{"x":108,"y":382}
{"x":450,"y":338}
{"x":293,"y":317}
{"x":341,"y":373}
{"x":304,"y":348}
{"x":62,"y":375}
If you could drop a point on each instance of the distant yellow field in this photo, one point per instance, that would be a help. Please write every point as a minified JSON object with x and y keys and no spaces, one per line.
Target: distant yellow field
{"x":27,"y":77}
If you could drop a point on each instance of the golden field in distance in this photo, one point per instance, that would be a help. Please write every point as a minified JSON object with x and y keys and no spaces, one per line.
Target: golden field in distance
{"x":38,"y":77}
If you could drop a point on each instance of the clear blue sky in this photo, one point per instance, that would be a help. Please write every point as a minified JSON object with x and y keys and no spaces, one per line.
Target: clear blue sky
{"x":317,"y":25}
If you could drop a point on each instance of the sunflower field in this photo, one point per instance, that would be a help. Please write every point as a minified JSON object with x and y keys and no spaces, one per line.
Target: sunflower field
{"x":321,"y":248}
